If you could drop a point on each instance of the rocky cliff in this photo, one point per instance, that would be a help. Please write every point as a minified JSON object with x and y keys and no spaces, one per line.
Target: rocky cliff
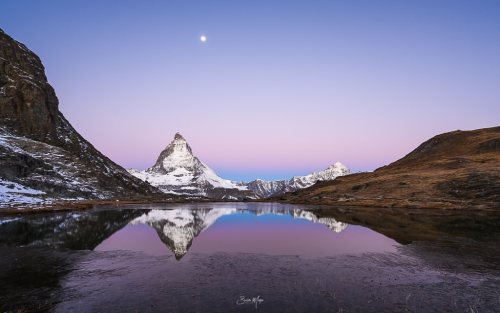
{"x":42,"y":157}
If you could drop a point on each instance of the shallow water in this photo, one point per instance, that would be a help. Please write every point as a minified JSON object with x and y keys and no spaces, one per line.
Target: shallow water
{"x":232,"y":257}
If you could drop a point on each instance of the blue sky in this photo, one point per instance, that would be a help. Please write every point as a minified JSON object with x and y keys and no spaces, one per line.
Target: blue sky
{"x":280,"y":88}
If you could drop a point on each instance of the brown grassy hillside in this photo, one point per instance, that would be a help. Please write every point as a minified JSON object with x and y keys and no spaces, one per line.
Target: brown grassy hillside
{"x":455,"y":169}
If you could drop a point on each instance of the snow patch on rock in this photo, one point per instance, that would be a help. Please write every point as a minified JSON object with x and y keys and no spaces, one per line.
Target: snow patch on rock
{"x":14,"y":194}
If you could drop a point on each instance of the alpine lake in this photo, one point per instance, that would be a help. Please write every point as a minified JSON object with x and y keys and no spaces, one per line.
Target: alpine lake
{"x":250,"y":257}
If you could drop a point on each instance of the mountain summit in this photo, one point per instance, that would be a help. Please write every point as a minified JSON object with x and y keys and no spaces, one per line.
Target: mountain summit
{"x":178,"y":171}
{"x":177,"y":154}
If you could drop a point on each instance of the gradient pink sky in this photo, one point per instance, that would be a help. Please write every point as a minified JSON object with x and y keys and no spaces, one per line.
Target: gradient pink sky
{"x":280,"y":88}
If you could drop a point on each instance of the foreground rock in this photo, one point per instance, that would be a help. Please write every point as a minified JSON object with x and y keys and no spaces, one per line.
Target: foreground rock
{"x":451,"y":170}
{"x":42,"y":157}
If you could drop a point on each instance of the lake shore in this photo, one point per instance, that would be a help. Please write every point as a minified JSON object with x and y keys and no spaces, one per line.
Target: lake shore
{"x":380,"y":203}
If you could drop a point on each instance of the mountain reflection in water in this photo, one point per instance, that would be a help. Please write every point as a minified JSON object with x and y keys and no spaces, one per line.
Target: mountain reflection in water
{"x":177,"y":228}
{"x":297,"y":258}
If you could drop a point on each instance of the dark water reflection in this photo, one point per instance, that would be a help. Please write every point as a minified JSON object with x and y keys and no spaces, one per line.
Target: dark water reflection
{"x":203,"y":258}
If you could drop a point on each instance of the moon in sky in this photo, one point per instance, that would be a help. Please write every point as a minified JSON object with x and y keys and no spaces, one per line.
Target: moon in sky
{"x":203,"y":38}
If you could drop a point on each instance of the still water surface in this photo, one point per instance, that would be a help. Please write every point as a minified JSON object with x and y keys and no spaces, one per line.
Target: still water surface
{"x":237,"y":257}
{"x":268,"y":229}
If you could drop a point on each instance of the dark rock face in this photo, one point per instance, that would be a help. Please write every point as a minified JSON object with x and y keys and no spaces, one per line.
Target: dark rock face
{"x":39,"y":148}
{"x":28,"y":103}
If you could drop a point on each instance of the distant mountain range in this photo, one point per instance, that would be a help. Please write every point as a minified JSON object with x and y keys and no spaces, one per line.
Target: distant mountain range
{"x":178,"y":171}
{"x":266,"y":189}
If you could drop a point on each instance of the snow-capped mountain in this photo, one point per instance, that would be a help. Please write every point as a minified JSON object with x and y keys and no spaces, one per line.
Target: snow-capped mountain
{"x":265,"y":189}
{"x":178,"y":171}
{"x":178,"y":228}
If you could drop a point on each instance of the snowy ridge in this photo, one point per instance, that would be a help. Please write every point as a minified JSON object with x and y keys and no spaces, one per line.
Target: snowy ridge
{"x":265,"y":189}
{"x":178,"y":171}
{"x":59,"y":170}
{"x":58,"y":174}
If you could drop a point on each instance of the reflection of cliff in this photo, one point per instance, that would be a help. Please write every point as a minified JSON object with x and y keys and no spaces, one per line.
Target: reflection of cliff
{"x":177,"y":228}
{"x":80,"y":231}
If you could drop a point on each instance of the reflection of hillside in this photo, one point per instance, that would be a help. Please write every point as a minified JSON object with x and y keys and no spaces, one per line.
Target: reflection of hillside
{"x":408,"y":225}
{"x":177,"y":228}
{"x":79,"y":230}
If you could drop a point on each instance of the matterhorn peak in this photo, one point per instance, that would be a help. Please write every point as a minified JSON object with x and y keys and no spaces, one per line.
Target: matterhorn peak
{"x":177,"y":154}
{"x":178,"y":171}
{"x":178,"y":136}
